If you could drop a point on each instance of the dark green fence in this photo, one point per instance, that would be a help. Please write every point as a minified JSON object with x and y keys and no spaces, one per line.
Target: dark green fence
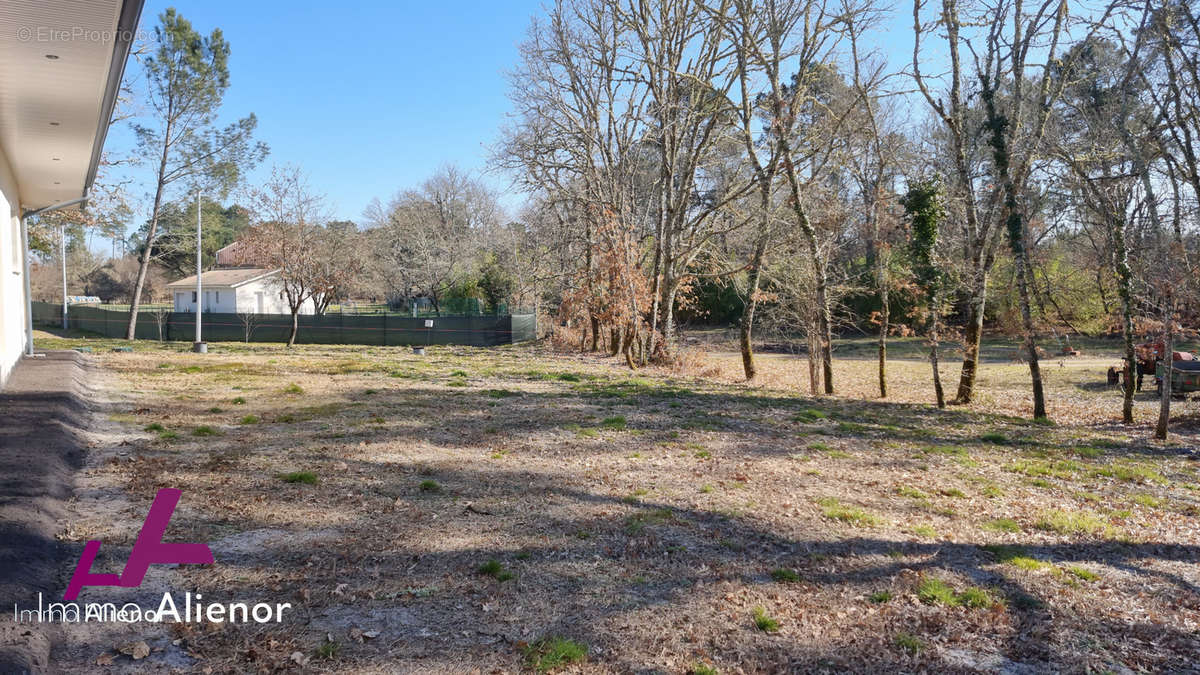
{"x":380,"y":329}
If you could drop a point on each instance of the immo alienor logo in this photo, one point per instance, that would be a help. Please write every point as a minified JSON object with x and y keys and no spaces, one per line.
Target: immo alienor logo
{"x":148,"y":550}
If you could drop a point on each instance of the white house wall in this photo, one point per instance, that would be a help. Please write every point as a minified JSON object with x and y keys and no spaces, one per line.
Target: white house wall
{"x":240,"y":299}
{"x":12,"y":273}
{"x":216,"y":299}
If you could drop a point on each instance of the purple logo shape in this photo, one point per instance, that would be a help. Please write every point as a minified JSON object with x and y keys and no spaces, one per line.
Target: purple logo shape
{"x":148,"y":550}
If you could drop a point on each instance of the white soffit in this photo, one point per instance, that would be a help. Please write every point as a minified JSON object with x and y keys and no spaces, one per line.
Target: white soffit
{"x":54,"y":112}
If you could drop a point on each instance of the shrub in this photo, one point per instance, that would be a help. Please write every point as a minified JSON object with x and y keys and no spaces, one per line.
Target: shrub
{"x":306,"y":477}
{"x":429,"y":485}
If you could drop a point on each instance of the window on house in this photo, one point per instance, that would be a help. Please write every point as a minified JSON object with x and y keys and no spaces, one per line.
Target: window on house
{"x":217,"y":296}
{"x":193,"y":297}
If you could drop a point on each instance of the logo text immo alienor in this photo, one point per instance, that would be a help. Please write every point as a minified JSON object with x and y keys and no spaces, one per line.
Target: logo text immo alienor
{"x":149,"y":549}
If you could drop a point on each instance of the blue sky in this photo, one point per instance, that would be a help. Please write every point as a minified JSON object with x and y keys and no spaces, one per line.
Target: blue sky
{"x":372,"y":97}
{"x":366,"y":97}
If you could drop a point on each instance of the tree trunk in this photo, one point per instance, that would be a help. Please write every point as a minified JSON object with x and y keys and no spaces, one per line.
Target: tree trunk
{"x":295,"y":327}
{"x":746,"y":328}
{"x":595,"y":346}
{"x":1015,"y":225}
{"x":135,"y":302}
{"x":1035,"y":370}
{"x":824,"y":321}
{"x":933,"y":352}
{"x":881,"y":279}
{"x":1164,"y":399}
{"x":972,"y":336}
{"x":1125,"y":291}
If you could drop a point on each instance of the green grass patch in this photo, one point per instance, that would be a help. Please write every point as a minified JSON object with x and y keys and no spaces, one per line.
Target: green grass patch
{"x":637,"y":522}
{"x":154,"y":427}
{"x":784,"y":575}
{"x":293,"y":388}
{"x":909,"y":643}
{"x":305,"y":477}
{"x":1015,"y":556}
{"x":810,"y":415}
{"x":616,"y":423}
{"x":582,"y":432}
{"x":329,"y":649}
{"x":1130,"y":473}
{"x":205,"y":430}
{"x":430,"y":486}
{"x":1149,"y":501}
{"x":249,"y":419}
{"x":1002,"y":525}
{"x":493,"y":568}
{"x":933,"y":591}
{"x":1082,"y":574}
{"x":1062,"y":469}
{"x":951,"y":450}
{"x":853,"y":515}
{"x":925,"y":531}
{"x":1073,"y":522}
{"x":764,"y":621}
{"x":238,"y":400}
{"x":502,"y":393}
{"x":880,"y":597}
{"x":552,"y":653}
{"x":995,"y":438}
{"x":168,"y":435}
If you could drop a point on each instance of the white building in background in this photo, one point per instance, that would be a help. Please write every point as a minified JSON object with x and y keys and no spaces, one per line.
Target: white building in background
{"x":61,"y":63}
{"x":241,"y":290}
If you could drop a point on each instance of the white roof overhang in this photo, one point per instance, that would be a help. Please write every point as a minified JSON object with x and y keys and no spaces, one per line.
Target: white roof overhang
{"x":61,"y":63}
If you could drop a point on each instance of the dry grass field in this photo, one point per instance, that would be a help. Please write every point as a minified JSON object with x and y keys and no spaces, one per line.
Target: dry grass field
{"x":500,"y":510}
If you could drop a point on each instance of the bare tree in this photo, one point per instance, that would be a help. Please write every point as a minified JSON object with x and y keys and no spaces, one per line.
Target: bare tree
{"x":288,"y":237}
{"x":249,"y":321}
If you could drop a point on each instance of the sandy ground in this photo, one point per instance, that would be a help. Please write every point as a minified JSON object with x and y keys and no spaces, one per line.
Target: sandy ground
{"x":647,"y":517}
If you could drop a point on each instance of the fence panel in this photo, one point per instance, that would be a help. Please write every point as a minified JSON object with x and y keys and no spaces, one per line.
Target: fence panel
{"x":366,"y":329}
